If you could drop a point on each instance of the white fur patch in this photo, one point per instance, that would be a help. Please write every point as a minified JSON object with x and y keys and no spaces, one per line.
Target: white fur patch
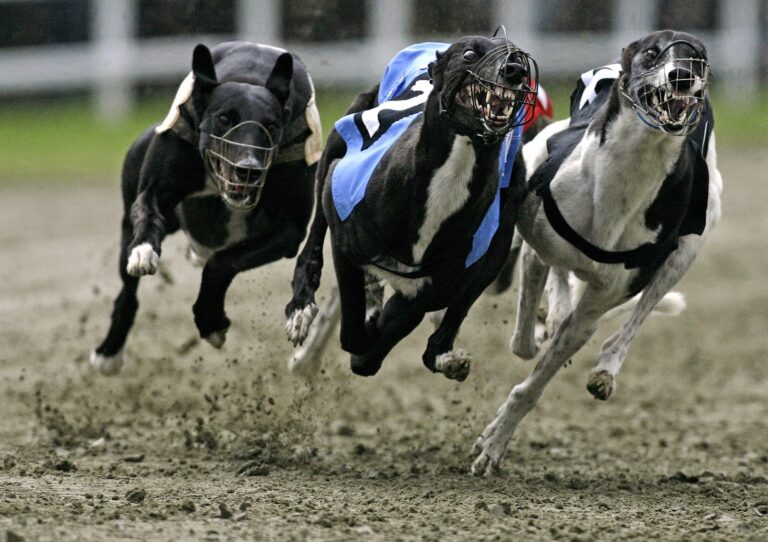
{"x":298,"y":324}
{"x":217,"y":338}
{"x":182,"y":95}
{"x":107,"y":365}
{"x":410,"y":288}
{"x":448,"y":192}
{"x":313,"y":146}
{"x":142,"y":261}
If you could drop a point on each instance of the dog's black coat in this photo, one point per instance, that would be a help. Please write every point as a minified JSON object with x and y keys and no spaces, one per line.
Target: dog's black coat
{"x":166,"y":185}
{"x":382,"y":229}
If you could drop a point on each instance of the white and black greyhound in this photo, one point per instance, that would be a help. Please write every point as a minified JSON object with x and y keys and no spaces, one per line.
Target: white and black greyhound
{"x":420,"y":185}
{"x":622,"y":196}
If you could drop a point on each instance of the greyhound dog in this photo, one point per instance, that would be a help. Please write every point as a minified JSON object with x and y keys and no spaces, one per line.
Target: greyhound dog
{"x":622,"y":196}
{"x":232,"y":166}
{"x":420,"y":185}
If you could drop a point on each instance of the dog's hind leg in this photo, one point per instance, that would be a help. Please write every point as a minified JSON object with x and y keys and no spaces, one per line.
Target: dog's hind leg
{"x":533,"y":278}
{"x":108,"y":356}
{"x":504,"y":279}
{"x":222,"y":267}
{"x":602,"y":377}
{"x":558,"y":293}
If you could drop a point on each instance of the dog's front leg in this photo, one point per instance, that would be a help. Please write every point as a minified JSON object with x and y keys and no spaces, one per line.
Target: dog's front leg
{"x":397,"y":319}
{"x":533,"y":278}
{"x":572,"y":334}
{"x":602,"y":377}
{"x":221,"y":268}
{"x":172,"y":169}
{"x":439,"y":355}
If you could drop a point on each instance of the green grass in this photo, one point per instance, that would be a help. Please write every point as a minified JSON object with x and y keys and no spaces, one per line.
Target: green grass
{"x":68,"y":143}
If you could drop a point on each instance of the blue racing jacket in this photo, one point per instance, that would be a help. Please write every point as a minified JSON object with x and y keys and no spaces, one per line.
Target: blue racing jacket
{"x":370,"y":134}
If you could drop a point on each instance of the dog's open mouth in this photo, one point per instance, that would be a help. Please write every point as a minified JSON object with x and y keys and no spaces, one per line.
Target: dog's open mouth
{"x":671,"y":95}
{"x":240,"y":186}
{"x":673,"y":108}
{"x":495,"y":103}
{"x":240,"y":169}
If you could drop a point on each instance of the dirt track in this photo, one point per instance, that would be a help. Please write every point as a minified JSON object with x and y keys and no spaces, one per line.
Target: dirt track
{"x":680,"y":451}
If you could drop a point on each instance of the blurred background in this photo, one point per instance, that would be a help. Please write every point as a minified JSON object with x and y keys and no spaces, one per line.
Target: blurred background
{"x":80,"y":79}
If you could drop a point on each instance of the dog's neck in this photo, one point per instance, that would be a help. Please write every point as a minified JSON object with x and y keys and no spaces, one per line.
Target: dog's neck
{"x":456,"y":175}
{"x":438,"y":134}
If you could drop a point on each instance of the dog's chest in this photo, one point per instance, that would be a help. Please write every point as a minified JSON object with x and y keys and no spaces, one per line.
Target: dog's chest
{"x":210,"y":225}
{"x":605,"y":190}
{"x":447,"y":193}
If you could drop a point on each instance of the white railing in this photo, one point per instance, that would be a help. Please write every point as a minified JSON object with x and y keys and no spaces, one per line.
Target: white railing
{"x":115,"y":58}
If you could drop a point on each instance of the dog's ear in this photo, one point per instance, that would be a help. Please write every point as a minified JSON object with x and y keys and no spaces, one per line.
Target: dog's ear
{"x":279,"y":81}
{"x":205,"y":79}
{"x":432,"y":70}
{"x":627,"y":54}
{"x":202,"y":66}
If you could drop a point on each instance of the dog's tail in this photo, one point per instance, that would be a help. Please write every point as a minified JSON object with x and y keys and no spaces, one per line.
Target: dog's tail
{"x":504,"y":279}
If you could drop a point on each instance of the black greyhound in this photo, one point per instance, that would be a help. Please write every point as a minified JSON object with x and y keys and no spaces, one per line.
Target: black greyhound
{"x":434,"y":215}
{"x":246,"y":112}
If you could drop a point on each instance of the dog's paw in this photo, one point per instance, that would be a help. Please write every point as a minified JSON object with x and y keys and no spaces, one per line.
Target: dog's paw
{"x":107,"y":365}
{"x":601,"y":384}
{"x":217,"y":338}
{"x":488,"y":450}
{"x":454,"y":364}
{"x":143,"y":260}
{"x":298,"y":323}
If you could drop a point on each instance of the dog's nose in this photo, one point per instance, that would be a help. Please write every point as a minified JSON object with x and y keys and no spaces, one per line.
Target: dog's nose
{"x":681,"y":78}
{"x":248,"y":171}
{"x":514,"y":73}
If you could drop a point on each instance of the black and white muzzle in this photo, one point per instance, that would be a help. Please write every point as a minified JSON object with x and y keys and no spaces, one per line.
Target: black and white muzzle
{"x":240,"y":169}
{"x":500,"y":90}
{"x":670,"y":95}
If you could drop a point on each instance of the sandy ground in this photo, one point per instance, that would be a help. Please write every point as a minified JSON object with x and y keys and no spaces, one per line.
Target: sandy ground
{"x":197,"y":444}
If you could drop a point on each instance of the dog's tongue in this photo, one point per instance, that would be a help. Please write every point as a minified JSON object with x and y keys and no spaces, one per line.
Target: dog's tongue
{"x":497,"y":105}
{"x":678,"y":107}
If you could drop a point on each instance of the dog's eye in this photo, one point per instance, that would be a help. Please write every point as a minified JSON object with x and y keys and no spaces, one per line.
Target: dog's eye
{"x":651,"y":53}
{"x":470,"y":55}
{"x":272,"y":129}
{"x":223,"y":118}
